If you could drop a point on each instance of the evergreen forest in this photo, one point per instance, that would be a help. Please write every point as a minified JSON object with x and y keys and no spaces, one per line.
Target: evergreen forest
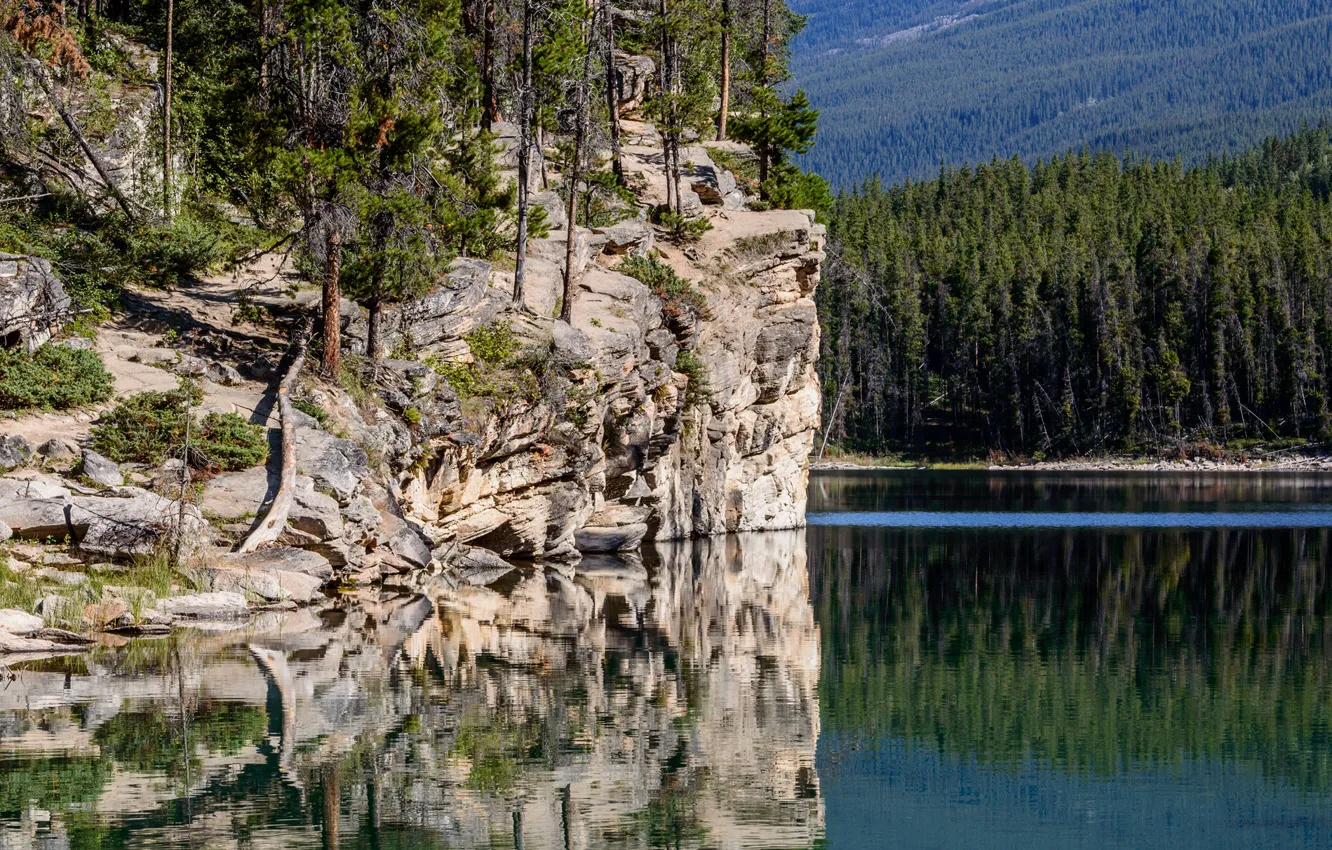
{"x":903,"y":85}
{"x":1086,"y":304}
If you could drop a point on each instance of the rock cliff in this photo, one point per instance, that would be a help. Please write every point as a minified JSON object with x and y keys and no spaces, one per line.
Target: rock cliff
{"x":648,"y":416}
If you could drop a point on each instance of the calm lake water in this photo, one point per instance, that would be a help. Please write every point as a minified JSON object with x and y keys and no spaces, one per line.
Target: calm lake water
{"x":942,"y":660}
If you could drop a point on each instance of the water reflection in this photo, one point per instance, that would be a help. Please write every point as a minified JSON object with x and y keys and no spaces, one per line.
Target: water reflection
{"x":669,"y":704}
{"x":1037,"y":687}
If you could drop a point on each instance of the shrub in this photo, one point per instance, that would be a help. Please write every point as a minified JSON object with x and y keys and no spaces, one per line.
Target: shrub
{"x":681,"y":228}
{"x":228,"y":441}
{"x":52,"y":378}
{"x":149,"y":427}
{"x":699,"y":388}
{"x":494,"y":344}
{"x":678,"y":293}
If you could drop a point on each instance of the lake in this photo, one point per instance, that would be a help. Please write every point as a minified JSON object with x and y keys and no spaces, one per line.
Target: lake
{"x":941,"y":660}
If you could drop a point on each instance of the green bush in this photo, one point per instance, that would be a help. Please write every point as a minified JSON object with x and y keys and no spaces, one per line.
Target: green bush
{"x":682,"y":228}
{"x":52,"y":378}
{"x":230,"y":442}
{"x":494,"y":344}
{"x":678,"y":293}
{"x":699,"y":388}
{"x":149,"y":427}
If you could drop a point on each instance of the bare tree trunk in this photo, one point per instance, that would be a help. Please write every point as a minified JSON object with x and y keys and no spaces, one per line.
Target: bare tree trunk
{"x":375,"y":309}
{"x":612,"y":100}
{"x":276,"y":520}
{"x":667,"y":91}
{"x":77,"y":133}
{"x":575,"y":169}
{"x":524,"y":157}
{"x":490,"y":113}
{"x":725,"y":69}
{"x":166,"y":114}
{"x":332,"y":297}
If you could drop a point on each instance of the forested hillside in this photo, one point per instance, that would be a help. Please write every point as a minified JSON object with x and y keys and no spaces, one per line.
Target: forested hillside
{"x":903,"y":85}
{"x":1087,"y":304}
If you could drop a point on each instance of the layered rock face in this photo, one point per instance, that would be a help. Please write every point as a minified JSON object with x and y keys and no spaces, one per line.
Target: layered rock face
{"x":647,"y":416}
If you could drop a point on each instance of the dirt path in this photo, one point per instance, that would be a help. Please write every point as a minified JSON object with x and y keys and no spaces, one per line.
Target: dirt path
{"x":143,"y":345}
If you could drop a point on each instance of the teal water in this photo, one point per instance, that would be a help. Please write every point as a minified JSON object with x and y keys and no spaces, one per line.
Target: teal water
{"x":1155,"y":674}
{"x":941,"y":660}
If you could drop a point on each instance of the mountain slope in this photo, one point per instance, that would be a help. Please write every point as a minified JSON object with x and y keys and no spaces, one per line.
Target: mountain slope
{"x":904,"y":86}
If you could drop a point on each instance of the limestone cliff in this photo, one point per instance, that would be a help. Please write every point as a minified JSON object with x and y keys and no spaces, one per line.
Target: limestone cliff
{"x":650,"y":417}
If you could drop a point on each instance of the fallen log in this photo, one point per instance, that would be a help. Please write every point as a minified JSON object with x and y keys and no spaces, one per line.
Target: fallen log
{"x":276,"y":519}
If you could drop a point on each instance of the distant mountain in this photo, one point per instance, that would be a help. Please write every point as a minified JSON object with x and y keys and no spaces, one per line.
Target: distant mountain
{"x":903,"y":85}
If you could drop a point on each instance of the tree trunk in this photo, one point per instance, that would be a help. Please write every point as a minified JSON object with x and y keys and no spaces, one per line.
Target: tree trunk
{"x":276,"y":519}
{"x":375,"y":309}
{"x":77,"y":133}
{"x":524,"y":158}
{"x":166,"y":114}
{"x":490,"y":113}
{"x":725,"y":69}
{"x":332,"y":297}
{"x":575,"y":169}
{"x":612,"y":98}
{"x":332,"y":807}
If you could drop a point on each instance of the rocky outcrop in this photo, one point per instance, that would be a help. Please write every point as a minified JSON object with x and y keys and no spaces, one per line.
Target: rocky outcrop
{"x":33,"y":302}
{"x":651,"y":415}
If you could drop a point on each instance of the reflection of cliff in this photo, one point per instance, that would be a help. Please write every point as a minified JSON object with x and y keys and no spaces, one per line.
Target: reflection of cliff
{"x":620,"y":706}
{"x":1089,"y":650}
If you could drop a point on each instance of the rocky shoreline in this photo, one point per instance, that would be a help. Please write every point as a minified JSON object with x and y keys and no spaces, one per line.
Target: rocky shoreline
{"x":1273,"y":463}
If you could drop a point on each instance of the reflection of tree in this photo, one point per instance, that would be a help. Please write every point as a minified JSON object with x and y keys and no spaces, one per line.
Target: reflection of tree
{"x":154,"y":742}
{"x":58,"y":783}
{"x":1092,"y":651}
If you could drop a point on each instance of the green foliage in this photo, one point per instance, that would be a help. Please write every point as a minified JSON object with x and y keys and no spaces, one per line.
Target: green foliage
{"x":149,"y":427}
{"x":230,"y":442}
{"x":1082,"y":305}
{"x":309,"y":408}
{"x":502,"y":371}
{"x":699,"y":389}
{"x":678,"y":294}
{"x":16,"y":591}
{"x":681,"y":228}
{"x":52,"y":378}
{"x":494,"y":344}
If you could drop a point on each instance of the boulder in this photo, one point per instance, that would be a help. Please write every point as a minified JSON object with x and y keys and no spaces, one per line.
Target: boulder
{"x":188,"y":364}
{"x":286,"y":559}
{"x":33,"y":302}
{"x":619,"y":538}
{"x":12,"y":644}
{"x":627,"y":237}
{"x":251,"y":582}
{"x":480,"y":567}
{"x":18,"y":622}
{"x":633,"y":73}
{"x":15,"y":451}
{"x":408,"y":544}
{"x":59,"y":453}
{"x":335,"y":464}
{"x":36,"y":519}
{"x":132,"y":522}
{"x":300,"y":587}
{"x":221,"y":373}
{"x":100,"y":470}
{"x":712,"y":184}
{"x":218,"y":605}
